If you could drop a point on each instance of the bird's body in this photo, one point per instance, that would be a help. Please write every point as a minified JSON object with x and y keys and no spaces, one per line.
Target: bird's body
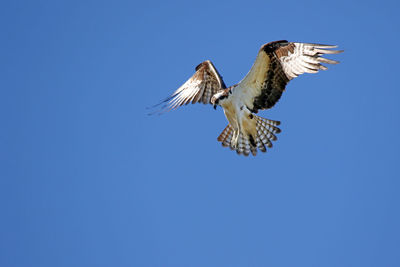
{"x":237,"y":113}
{"x":249,"y":131}
{"x":276,"y":64}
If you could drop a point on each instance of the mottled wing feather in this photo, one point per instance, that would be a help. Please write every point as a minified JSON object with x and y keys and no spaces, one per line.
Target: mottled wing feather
{"x":299,"y":58}
{"x":276,"y":64}
{"x":204,"y":83}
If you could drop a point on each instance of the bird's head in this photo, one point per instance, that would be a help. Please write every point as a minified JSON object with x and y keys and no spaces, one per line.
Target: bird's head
{"x":218,"y":97}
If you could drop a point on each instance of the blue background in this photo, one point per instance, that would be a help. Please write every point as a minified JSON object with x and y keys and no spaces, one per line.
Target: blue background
{"x":88,"y":179}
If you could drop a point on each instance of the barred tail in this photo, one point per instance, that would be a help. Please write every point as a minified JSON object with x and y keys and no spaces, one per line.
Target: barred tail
{"x":265,"y":134}
{"x":266,"y":130}
{"x":226,"y":136}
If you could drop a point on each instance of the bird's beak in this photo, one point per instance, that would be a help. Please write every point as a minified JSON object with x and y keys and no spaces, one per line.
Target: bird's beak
{"x":215,"y":106}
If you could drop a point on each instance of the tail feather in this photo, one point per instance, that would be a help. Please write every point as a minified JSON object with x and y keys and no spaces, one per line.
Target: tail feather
{"x":226,"y":136}
{"x":266,"y":130}
{"x":244,"y":145}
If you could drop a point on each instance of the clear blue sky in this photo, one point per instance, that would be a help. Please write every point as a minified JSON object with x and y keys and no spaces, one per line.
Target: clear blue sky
{"x":88,"y":179}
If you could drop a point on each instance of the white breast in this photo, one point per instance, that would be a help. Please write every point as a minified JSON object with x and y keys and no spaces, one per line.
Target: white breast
{"x":243,"y":96}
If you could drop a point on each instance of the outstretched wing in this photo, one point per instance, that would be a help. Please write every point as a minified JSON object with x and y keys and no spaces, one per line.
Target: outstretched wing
{"x":204,"y":83}
{"x":276,"y":64}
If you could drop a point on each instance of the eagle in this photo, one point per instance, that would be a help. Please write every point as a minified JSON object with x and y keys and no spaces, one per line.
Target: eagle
{"x":276,"y":64}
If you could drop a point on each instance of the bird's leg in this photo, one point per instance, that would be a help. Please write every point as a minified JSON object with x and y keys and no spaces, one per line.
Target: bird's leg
{"x":234,"y":141}
{"x":236,"y":134}
{"x":235,"y":138}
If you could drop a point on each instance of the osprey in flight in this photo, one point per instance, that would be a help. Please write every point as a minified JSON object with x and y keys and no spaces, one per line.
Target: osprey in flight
{"x":276,"y":64}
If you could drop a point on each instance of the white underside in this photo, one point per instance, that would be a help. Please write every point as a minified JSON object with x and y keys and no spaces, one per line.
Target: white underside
{"x":235,"y":109}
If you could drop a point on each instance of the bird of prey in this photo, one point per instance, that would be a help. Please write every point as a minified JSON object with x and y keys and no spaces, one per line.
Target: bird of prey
{"x":276,"y":64}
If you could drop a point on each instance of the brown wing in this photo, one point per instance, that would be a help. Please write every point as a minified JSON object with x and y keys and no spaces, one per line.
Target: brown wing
{"x":276,"y":64}
{"x":204,"y":83}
